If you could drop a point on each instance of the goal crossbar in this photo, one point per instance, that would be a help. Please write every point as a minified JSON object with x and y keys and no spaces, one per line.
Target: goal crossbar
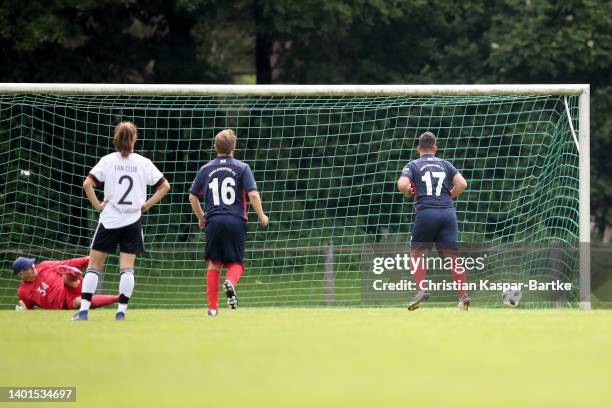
{"x":292,"y":90}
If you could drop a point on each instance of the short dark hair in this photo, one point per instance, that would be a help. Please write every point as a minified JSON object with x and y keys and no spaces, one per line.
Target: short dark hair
{"x":427,"y":140}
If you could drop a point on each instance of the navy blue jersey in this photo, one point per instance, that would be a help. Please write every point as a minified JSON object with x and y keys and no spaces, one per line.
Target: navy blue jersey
{"x":223,"y":184}
{"x":431,"y":180}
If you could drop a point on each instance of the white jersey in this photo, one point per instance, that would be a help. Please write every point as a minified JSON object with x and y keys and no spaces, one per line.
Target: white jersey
{"x":125,"y":186}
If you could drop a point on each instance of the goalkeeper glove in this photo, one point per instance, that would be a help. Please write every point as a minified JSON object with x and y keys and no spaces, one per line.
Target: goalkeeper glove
{"x":71,"y":271}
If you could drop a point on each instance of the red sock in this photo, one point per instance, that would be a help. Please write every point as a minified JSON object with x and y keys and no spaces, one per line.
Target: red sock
{"x":212,"y":288}
{"x":458,"y":275}
{"x":103,"y":300}
{"x":419,"y":270}
{"x":460,"y":279}
{"x":234,"y":272}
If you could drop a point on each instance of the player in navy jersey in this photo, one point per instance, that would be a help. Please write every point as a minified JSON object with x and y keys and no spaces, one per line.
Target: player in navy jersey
{"x":433,"y":183}
{"x":224,"y":184}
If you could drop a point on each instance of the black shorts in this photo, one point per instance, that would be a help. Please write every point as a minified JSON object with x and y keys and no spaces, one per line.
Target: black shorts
{"x":130,"y":239}
{"x":225,"y":238}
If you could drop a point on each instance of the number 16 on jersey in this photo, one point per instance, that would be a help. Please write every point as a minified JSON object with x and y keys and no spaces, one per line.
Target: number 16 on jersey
{"x":227,"y":193}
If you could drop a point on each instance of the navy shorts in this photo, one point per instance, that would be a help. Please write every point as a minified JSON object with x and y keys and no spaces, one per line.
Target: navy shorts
{"x":225,"y":238}
{"x":435,"y":226}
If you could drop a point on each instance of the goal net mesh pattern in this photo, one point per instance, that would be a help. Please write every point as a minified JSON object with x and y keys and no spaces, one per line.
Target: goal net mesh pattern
{"x":326,"y":167}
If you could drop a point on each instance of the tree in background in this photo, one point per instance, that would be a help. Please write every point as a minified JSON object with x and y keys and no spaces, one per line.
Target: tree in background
{"x":101,"y":41}
{"x":318,"y":41}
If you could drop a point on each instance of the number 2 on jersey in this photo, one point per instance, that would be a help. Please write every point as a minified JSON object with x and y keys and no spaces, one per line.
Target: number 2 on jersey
{"x":439,"y":175}
{"x":130,"y":185}
{"x":228,"y":194}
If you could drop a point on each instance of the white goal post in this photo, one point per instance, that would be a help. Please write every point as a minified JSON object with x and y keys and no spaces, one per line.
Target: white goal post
{"x":580,"y":90}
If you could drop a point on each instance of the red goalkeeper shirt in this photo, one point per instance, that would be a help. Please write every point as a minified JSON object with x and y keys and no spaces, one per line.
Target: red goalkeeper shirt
{"x":47,"y":290}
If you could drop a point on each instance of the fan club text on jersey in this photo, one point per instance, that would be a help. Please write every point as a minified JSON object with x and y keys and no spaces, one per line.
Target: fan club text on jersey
{"x":126,"y":168}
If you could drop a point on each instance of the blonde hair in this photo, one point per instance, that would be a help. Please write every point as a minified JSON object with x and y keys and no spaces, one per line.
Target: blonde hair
{"x":125,"y":133}
{"x":225,"y":141}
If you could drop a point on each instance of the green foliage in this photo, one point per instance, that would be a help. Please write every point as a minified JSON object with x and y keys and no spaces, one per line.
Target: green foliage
{"x":318,"y":41}
{"x":101,"y":41}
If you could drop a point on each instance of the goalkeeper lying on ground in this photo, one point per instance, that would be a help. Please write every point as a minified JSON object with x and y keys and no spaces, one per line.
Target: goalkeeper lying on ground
{"x":54,"y":285}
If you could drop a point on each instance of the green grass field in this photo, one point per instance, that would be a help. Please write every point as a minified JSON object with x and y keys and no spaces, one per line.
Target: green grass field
{"x":315,"y":357}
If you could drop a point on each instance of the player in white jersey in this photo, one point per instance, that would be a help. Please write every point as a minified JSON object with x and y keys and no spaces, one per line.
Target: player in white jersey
{"x":125,"y":175}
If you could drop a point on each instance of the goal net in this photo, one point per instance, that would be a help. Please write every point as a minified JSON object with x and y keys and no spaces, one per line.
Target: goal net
{"x":326,"y":167}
